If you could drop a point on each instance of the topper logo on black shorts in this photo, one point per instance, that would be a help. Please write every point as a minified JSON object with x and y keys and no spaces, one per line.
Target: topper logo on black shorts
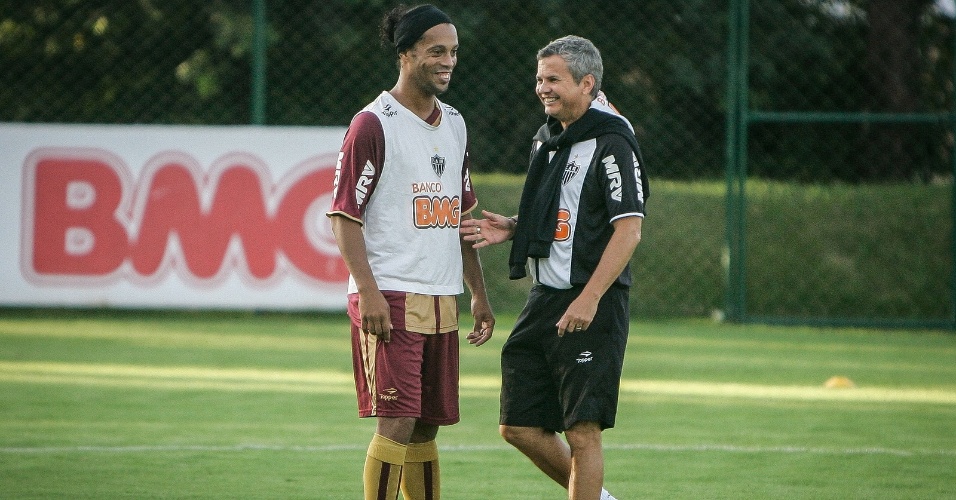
{"x":584,"y":357}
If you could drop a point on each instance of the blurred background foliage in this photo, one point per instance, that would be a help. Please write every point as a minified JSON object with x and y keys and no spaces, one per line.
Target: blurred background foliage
{"x":187,"y":62}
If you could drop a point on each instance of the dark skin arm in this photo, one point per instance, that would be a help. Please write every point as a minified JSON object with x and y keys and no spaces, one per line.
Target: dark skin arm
{"x":480,"y":307}
{"x":373,"y":308}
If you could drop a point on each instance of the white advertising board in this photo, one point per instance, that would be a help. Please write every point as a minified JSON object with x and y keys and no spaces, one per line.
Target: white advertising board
{"x":149,"y":216}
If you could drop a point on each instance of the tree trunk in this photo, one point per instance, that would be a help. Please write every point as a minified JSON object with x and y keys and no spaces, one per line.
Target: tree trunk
{"x":893,"y":60}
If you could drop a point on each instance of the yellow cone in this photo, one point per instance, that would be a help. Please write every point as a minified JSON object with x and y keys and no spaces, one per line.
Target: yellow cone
{"x":839,"y":382}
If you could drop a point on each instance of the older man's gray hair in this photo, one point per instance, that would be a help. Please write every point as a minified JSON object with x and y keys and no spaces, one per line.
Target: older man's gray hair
{"x":582,"y":57}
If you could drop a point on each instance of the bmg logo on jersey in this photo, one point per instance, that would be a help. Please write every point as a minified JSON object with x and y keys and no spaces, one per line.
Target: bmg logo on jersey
{"x":437,"y":211}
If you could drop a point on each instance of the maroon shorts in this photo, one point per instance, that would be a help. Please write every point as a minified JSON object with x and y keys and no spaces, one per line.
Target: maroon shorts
{"x":414,"y":375}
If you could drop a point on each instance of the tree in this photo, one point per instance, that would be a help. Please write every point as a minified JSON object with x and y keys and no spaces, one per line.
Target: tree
{"x":895,"y":61}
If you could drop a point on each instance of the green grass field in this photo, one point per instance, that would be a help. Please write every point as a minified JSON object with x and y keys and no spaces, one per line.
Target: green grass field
{"x":166,"y":405}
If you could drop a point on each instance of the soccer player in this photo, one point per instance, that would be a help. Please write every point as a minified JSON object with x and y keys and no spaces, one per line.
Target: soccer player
{"x":579,"y":222}
{"x":402,"y":189}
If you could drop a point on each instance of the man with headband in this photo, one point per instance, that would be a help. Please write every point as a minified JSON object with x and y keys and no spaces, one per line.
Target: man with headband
{"x":402,"y":188}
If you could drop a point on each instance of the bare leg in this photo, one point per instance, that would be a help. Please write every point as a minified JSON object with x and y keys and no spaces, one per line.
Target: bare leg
{"x":545,"y":449}
{"x":587,"y":461}
{"x":423,"y":433}
{"x":398,"y":429}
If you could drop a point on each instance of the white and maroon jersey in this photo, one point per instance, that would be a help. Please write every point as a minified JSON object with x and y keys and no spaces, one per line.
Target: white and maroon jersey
{"x":602,"y":183}
{"x":407,"y":182}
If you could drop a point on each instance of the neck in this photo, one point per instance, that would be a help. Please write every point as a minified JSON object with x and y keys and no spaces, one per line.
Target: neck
{"x":565,"y":125}
{"x":423,"y":105}
{"x":578,"y":113}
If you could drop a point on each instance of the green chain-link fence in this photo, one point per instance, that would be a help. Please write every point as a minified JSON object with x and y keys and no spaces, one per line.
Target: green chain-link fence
{"x":855,"y":97}
{"x":807,"y":238}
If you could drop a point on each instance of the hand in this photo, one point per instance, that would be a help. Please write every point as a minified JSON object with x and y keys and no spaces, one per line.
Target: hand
{"x":491,"y":230}
{"x":376,"y":315}
{"x":484,"y":322}
{"x":578,"y":317}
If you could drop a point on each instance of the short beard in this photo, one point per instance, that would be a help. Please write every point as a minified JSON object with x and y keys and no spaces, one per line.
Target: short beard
{"x":432,"y":89}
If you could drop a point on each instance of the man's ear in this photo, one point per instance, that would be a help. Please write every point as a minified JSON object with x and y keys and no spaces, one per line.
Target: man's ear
{"x":588,"y":83}
{"x":407,"y":54}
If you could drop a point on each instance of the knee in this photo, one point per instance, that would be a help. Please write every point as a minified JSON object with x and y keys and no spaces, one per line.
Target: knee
{"x":584,"y":435}
{"x":423,"y":433}
{"x":524,"y":437}
{"x":508,"y":433}
{"x":398,"y":429}
{"x":514,"y":435}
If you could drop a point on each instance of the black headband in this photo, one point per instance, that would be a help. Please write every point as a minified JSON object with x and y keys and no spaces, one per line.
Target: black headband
{"x":415,"y":23}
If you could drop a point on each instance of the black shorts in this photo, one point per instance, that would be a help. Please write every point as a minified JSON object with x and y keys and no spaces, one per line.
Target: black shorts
{"x":554,"y":382}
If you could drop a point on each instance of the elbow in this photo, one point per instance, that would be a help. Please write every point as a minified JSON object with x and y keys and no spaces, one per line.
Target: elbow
{"x":635,"y":232}
{"x":635,"y":240}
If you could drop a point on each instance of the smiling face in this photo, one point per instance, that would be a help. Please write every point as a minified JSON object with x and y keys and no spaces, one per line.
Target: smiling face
{"x":429,"y":63}
{"x":563,"y":99}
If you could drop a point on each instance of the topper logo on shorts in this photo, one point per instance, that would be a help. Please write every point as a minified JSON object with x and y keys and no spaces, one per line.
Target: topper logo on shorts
{"x":437,"y":212}
{"x":388,"y":394}
{"x":584,"y":357}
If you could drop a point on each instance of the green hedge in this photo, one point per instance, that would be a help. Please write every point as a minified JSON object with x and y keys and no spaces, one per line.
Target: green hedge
{"x":836,"y":251}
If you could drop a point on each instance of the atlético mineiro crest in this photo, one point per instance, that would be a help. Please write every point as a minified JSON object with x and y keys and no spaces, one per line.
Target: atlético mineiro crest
{"x":438,"y":165}
{"x":570,"y":171}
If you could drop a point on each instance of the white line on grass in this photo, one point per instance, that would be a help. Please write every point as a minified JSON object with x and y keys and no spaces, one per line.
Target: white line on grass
{"x":786,"y":392}
{"x":786,"y":450}
{"x":332,"y":382}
